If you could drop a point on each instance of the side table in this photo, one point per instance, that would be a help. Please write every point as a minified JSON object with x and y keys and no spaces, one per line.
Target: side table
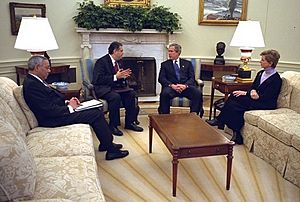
{"x":226,"y":88}
{"x":209,"y":70}
{"x":60,"y":71}
{"x":73,"y":90}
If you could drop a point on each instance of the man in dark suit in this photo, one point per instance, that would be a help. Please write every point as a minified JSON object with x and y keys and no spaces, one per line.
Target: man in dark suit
{"x":109,"y":80}
{"x":52,"y":110}
{"x":177,"y":78}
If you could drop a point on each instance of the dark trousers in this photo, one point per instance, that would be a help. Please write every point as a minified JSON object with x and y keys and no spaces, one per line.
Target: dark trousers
{"x":233,"y":111}
{"x":114,"y":100}
{"x":93,"y":117}
{"x":192,"y":93}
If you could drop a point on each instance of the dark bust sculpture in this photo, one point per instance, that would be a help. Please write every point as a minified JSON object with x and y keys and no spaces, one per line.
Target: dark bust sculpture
{"x":219,"y":60}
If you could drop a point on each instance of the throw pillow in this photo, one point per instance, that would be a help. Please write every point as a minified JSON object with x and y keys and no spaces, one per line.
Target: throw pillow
{"x":18,"y":93}
{"x":283,"y":100}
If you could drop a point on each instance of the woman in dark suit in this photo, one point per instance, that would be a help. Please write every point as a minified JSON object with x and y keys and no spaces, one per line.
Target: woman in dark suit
{"x":263,"y":94}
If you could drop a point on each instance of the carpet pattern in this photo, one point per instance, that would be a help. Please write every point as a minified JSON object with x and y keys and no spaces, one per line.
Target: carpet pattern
{"x":148,"y":177}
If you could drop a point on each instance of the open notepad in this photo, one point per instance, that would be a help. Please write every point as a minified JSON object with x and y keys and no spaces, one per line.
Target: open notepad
{"x":89,"y":105}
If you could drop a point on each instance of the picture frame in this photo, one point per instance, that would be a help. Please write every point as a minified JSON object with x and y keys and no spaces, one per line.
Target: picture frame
{"x":222,"y":12}
{"x":143,"y":3}
{"x":19,"y":10}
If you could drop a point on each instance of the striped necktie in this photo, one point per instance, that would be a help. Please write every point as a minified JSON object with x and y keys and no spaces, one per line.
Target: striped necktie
{"x":177,"y":69}
{"x":116,"y":67}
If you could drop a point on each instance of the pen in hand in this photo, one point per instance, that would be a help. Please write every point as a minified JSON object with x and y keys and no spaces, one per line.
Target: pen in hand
{"x":74,"y":102}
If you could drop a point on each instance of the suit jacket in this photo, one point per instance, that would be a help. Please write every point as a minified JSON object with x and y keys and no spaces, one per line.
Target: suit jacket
{"x":46,"y":103}
{"x":103,"y":76}
{"x":233,"y":112}
{"x":167,"y":73}
{"x":268,"y":91}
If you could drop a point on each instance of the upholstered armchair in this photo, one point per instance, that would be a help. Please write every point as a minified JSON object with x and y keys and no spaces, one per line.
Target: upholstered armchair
{"x":185,"y":102}
{"x":86,"y":67}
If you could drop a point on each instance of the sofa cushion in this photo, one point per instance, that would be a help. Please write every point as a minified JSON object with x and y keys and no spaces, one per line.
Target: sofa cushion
{"x":68,"y":140}
{"x":281,"y":126}
{"x":7,"y":115}
{"x":73,"y":177}
{"x":6,"y":93}
{"x":17,"y":167}
{"x":296,"y":141}
{"x":285,"y":94}
{"x":252,"y":116}
{"x":18,"y":93}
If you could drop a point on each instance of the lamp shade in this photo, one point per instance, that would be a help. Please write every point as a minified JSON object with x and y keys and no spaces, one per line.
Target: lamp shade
{"x":35,"y":35}
{"x":248,"y":35}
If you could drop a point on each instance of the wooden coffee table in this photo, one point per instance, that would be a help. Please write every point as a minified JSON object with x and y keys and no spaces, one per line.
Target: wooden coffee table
{"x":188,"y":136}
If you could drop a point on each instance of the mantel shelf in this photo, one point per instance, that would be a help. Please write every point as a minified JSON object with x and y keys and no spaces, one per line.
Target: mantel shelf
{"x":121,"y":31}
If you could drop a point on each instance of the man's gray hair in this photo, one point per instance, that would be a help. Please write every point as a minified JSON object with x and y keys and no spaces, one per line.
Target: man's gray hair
{"x":176,"y":46}
{"x":34,"y":60}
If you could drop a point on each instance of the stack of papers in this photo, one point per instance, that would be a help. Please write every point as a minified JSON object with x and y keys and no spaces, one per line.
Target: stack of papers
{"x":89,"y":105}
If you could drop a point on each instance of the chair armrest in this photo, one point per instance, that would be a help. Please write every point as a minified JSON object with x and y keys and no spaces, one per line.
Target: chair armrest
{"x":200,"y":83}
{"x":90,"y":87}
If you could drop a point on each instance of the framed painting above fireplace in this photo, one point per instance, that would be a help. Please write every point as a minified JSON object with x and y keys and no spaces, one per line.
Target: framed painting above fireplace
{"x":144,"y":3}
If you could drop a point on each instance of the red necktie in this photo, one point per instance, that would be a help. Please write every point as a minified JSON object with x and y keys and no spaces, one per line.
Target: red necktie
{"x":116,"y":67}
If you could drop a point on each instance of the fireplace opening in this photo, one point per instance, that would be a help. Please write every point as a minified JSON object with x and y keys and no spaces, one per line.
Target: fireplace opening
{"x":143,"y":74}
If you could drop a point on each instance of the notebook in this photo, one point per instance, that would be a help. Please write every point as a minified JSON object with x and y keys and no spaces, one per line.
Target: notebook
{"x":89,"y":105}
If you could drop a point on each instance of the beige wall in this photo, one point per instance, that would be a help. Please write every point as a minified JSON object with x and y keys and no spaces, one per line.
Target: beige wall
{"x":280,"y":21}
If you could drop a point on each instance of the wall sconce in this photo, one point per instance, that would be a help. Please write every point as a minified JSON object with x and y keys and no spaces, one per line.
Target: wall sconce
{"x":35,"y":35}
{"x":247,"y":36}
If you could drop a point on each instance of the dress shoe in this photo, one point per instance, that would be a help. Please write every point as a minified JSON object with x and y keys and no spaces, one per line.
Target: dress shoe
{"x":213,"y":122}
{"x":104,"y":148}
{"x":201,"y":113}
{"x":116,"y":131}
{"x":137,"y":122}
{"x":134,"y":127}
{"x":237,"y":137}
{"x":116,"y":154}
{"x":221,"y":126}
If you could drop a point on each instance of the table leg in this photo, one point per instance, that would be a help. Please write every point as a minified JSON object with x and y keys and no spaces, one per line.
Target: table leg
{"x":18,"y":79}
{"x":229,"y":165}
{"x":175,"y":167}
{"x":150,"y":136}
{"x":212,"y":94}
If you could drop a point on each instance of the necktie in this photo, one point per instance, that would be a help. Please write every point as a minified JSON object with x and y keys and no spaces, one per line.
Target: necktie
{"x":177,"y":69}
{"x":116,"y":67}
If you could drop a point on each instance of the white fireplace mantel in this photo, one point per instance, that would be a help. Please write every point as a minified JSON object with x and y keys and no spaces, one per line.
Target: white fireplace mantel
{"x":90,"y":38}
{"x":146,"y":43}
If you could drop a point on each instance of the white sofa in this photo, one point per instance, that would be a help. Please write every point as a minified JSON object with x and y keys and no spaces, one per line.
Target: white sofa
{"x":43,"y":164}
{"x":274,"y":135}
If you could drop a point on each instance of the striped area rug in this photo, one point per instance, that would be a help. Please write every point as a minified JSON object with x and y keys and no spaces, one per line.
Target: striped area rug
{"x":148,"y":177}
